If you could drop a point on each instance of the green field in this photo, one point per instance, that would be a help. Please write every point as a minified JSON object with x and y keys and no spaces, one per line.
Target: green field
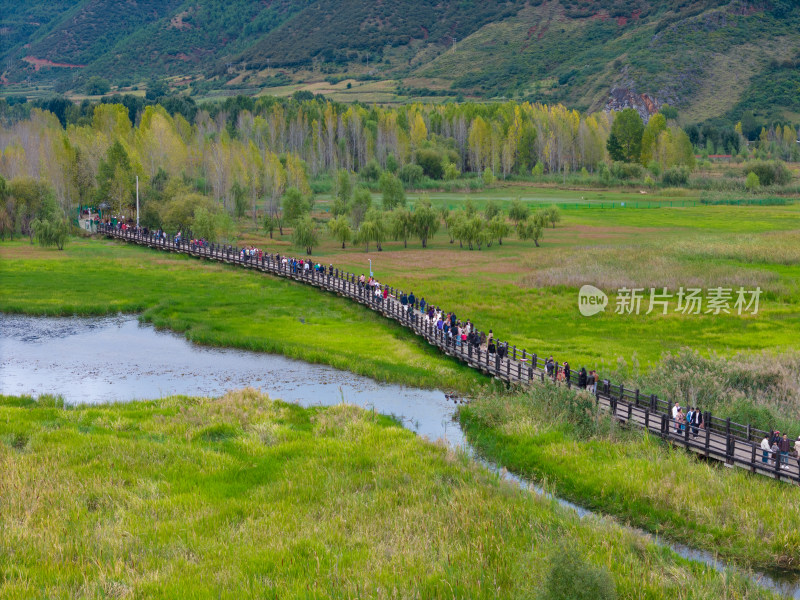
{"x":220,"y":305}
{"x":528,"y":295}
{"x":547,"y":435}
{"x":245,"y":497}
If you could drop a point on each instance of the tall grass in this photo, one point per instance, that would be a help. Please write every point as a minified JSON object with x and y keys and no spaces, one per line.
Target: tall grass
{"x":246,"y":497}
{"x":761,"y":388}
{"x":576,"y":449}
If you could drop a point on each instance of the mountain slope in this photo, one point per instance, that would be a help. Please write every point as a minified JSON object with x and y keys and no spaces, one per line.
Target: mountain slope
{"x":709,"y":58}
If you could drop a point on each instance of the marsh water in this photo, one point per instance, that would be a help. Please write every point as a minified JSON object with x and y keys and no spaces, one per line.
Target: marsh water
{"x":118,"y":359}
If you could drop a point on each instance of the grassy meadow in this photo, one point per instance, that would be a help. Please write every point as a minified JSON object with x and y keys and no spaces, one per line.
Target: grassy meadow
{"x":220,"y":305}
{"x":246,"y":497}
{"x":554,"y":436}
{"x":528,"y":295}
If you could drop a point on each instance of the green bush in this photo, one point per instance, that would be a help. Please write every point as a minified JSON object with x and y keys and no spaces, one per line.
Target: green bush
{"x":411,"y":174}
{"x":752,"y":182}
{"x":676,"y":176}
{"x":772,"y":172}
{"x":431,"y":163}
{"x":623,"y":170}
{"x":572,"y":578}
{"x":371,"y":171}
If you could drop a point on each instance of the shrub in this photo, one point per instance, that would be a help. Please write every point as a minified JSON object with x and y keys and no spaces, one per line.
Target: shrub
{"x":371,"y":171}
{"x":451,"y":171}
{"x":411,"y":174}
{"x":675,"y":177}
{"x":572,"y":578}
{"x":622,"y":170}
{"x":772,"y":172}
{"x":655,"y":168}
{"x":752,"y":182}
{"x":431,"y":163}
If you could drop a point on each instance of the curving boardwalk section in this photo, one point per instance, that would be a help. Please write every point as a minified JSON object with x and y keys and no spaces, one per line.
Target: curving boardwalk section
{"x":733,"y":444}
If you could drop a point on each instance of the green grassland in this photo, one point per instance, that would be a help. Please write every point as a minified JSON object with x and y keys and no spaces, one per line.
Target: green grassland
{"x":528,"y":295}
{"x":246,"y":497}
{"x":550,"y":436}
{"x":222,"y":306}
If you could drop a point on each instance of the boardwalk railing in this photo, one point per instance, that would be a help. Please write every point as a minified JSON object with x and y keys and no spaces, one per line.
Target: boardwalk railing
{"x":732,"y":443}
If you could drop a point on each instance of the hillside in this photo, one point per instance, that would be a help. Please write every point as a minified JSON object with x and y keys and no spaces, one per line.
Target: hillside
{"x":709,"y":58}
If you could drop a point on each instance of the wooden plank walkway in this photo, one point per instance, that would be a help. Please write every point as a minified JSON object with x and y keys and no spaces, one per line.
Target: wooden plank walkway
{"x":733,"y":444}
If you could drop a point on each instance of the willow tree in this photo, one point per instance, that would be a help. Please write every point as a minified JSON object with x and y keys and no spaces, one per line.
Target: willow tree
{"x":426,"y":221}
{"x":305,"y":233}
{"x":340,"y":230}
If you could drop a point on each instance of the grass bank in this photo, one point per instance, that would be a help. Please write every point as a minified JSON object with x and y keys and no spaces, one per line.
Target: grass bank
{"x":221,"y":305}
{"x":559,"y":438}
{"x":245,"y":497}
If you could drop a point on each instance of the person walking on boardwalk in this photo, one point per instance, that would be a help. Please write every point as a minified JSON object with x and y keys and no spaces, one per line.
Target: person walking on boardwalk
{"x":567,"y":372}
{"x":765,"y":449}
{"x":697,"y":421}
{"x":784,"y":447}
{"x":583,"y":378}
{"x":412,"y":301}
{"x":775,"y":451}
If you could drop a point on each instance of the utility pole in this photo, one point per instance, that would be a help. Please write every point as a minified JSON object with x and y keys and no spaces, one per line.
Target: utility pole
{"x":137,"y":201}
{"x":454,"y":44}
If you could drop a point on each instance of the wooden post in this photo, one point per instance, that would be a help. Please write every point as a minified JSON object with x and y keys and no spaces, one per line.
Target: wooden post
{"x":647,"y":419}
{"x":753,"y":459}
{"x":533,"y":361}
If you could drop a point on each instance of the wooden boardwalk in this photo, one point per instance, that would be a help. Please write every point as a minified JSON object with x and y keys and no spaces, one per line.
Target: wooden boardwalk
{"x":733,"y":444}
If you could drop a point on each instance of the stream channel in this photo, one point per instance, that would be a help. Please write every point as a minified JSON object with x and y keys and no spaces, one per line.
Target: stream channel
{"x":118,"y":359}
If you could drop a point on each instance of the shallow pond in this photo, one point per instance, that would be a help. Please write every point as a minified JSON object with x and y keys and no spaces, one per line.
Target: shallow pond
{"x":117,"y":359}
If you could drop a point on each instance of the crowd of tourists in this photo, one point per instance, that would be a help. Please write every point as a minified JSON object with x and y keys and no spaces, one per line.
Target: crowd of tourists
{"x":776,"y":447}
{"x":692,"y":419}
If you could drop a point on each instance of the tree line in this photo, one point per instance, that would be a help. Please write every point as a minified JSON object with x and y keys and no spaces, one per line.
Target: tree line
{"x":223,"y":164}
